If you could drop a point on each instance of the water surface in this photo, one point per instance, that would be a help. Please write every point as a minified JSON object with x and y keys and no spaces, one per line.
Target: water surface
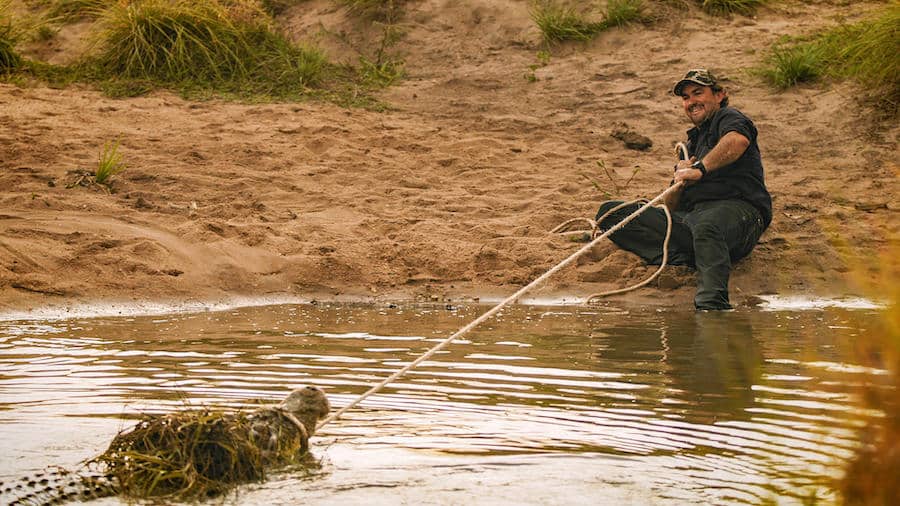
{"x":542,"y":405}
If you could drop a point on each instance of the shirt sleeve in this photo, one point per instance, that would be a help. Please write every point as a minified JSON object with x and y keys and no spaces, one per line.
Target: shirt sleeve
{"x":734,"y":121}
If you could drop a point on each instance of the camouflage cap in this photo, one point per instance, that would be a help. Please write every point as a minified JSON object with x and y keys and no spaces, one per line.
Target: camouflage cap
{"x":702,"y":77}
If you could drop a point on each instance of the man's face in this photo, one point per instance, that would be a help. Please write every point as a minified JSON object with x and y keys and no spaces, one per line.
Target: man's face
{"x":700,"y":102}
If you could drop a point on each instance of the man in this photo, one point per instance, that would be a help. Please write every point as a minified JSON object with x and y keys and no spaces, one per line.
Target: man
{"x":723,"y":206}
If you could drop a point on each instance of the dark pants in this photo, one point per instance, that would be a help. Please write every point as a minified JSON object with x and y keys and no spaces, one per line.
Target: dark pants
{"x":709,"y":239}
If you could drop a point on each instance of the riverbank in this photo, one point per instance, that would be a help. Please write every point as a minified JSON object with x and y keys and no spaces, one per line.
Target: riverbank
{"x":450,"y":194}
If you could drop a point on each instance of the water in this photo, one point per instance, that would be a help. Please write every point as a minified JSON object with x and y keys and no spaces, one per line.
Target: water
{"x":542,"y":405}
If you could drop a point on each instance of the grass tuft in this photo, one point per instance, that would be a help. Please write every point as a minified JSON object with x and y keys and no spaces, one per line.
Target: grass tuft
{"x":559,"y":22}
{"x":276,"y":7}
{"x":865,"y":52}
{"x":728,"y":7}
{"x":623,"y":12}
{"x":386,"y":10}
{"x":788,"y":66}
{"x":202,"y":45}
{"x":10,"y":35}
{"x":109,"y":164}
{"x":78,"y":9}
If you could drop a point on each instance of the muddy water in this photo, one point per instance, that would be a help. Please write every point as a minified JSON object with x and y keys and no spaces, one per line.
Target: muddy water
{"x":543,"y":405}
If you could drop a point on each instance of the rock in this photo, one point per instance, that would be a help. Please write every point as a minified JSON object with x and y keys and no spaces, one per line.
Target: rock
{"x":632,"y":139}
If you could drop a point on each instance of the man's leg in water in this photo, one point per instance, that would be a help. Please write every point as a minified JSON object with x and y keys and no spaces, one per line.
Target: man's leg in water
{"x":722,"y":231}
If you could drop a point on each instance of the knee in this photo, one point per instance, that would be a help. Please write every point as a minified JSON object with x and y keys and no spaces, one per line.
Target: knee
{"x":605,"y":207}
{"x":707,"y":232}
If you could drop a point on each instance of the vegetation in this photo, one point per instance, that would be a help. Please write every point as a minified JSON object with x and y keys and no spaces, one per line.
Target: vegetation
{"x":10,"y":35}
{"x":379,"y":9}
{"x":559,"y":22}
{"x":75,"y":9}
{"x":276,"y":7}
{"x":201,"y":48}
{"x":109,"y":164}
{"x":865,"y":52}
{"x":623,"y":12}
{"x":789,"y":66}
{"x":871,"y":475}
{"x":194,"y":455}
{"x":728,"y":7}
{"x":384,"y":69}
{"x":202,"y":44}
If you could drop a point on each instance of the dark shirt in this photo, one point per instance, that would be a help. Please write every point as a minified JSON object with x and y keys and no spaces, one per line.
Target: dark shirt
{"x":742,"y":179}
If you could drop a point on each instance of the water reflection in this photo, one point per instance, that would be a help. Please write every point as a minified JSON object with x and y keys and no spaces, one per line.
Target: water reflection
{"x":636,"y":407}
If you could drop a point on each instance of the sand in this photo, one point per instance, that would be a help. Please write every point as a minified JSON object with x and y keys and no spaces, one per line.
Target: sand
{"x":450,"y":194}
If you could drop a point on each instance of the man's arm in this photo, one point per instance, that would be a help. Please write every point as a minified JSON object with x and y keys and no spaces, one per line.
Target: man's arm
{"x":729,"y":148}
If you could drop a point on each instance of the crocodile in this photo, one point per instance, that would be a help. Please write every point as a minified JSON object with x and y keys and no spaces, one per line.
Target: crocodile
{"x":269,"y":436}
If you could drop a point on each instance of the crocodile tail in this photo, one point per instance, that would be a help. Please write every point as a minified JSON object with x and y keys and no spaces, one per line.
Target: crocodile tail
{"x":56,"y":486}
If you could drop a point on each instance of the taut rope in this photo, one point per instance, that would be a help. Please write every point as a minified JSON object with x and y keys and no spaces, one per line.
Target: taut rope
{"x":512,"y":298}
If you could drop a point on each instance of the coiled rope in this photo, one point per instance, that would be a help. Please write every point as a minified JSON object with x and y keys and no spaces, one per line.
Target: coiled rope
{"x":682,"y":152}
{"x":512,"y":298}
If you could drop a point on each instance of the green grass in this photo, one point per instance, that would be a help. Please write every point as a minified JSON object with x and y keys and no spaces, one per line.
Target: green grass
{"x":866,"y":52}
{"x":623,"y":12}
{"x":788,"y":66}
{"x":386,"y":11}
{"x":276,"y":7}
{"x":109,"y":164}
{"x":202,"y":49}
{"x":78,"y":9}
{"x":559,"y":22}
{"x":869,"y":52}
{"x":728,"y":7}
{"x":381,"y":74}
{"x":10,"y":35}
{"x":192,"y":45}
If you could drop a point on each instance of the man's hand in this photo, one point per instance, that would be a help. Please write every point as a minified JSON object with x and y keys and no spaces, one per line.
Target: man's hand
{"x":730,"y":147}
{"x":684,"y":172}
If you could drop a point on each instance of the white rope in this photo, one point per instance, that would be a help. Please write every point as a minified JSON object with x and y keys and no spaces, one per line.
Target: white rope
{"x":681,"y":151}
{"x":491,"y":312}
{"x":662,"y":265}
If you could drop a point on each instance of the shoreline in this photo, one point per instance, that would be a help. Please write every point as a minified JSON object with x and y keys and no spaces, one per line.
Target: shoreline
{"x":133,"y":309}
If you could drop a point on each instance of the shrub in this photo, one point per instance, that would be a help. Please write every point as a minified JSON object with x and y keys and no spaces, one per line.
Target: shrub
{"x":202,"y":44}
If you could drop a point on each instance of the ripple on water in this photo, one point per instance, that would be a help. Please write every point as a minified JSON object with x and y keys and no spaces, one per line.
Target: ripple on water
{"x":661,"y":408}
